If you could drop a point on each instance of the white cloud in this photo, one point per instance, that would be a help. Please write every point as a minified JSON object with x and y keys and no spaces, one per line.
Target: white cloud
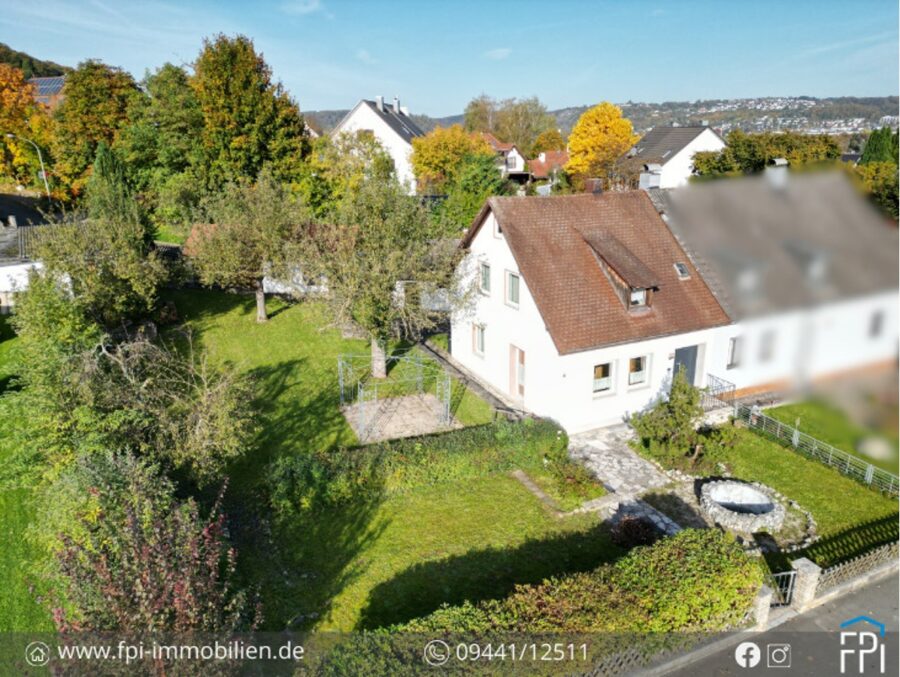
{"x":498,"y":54}
{"x":303,"y":7}
{"x":364,"y":56}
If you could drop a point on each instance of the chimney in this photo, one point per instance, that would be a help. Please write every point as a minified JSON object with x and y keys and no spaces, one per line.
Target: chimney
{"x":594,"y":186}
{"x":397,"y":105}
{"x":650,"y":177}
{"x":379,"y":103}
{"x":777,"y":173}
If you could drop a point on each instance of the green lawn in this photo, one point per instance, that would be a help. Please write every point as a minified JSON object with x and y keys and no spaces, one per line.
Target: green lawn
{"x":831,"y":425}
{"x":851,"y":518}
{"x":404,"y":557}
{"x":18,"y":610}
{"x":171,"y":234}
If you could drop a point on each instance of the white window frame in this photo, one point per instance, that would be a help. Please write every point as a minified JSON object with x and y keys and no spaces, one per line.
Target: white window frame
{"x":478,"y":330}
{"x":507,"y":287}
{"x":610,"y":380}
{"x":645,"y":371}
{"x":482,"y":266}
{"x":640,"y":294}
{"x":687,"y":271}
{"x":735,"y":350}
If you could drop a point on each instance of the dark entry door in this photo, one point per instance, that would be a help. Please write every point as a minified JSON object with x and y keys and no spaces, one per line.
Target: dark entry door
{"x":686,"y":358}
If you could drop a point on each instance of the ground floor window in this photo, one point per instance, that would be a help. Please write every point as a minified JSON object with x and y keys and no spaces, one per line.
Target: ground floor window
{"x":603,"y":378}
{"x":637,"y":370}
{"x":478,"y":339}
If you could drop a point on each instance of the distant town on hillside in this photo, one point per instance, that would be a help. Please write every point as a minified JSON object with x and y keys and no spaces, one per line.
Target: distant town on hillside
{"x":837,"y":115}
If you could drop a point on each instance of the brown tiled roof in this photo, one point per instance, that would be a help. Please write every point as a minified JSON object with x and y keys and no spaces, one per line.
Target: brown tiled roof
{"x":553,"y":159}
{"x":496,"y":143}
{"x":628,"y":266}
{"x":580,"y":307}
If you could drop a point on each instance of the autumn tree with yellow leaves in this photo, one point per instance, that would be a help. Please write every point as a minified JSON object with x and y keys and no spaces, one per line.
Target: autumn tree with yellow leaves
{"x":599,"y":138}
{"x":21,"y":115}
{"x":438,"y":155}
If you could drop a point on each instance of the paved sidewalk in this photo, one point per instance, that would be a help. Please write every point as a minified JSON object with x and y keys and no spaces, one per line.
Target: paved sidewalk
{"x":606,"y":453}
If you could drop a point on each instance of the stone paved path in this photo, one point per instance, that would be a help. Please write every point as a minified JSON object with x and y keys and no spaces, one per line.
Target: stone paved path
{"x":606,"y":453}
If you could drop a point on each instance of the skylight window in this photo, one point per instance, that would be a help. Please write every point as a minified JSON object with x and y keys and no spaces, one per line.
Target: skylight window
{"x":682,"y":270}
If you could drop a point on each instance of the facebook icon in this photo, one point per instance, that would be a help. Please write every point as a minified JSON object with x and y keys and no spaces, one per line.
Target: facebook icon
{"x":747,"y":655}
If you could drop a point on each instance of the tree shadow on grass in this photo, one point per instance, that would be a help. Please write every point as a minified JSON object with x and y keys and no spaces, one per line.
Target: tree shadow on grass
{"x":843,"y":545}
{"x":483,"y":574}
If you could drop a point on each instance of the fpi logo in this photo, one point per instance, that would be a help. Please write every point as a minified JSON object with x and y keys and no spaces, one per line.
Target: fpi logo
{"x":862,"y":644}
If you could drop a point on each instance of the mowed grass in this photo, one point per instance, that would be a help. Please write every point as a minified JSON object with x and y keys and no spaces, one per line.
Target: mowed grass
{"x":19,"y":612}
{"x":831,"y":425}
{"x":294,"y":360}
{"x":851,"y":518}
{"x":415,"y":551}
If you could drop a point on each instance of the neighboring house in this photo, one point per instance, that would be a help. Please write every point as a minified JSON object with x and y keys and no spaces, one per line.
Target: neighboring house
{"x":664,"y":157}
{"x":393,"y":128}
{"x":48,"y":91}
{"x":805,"y":268}
{"x":510,"y":160}
{"x":581,"y":313}
{"x":545,"y":169}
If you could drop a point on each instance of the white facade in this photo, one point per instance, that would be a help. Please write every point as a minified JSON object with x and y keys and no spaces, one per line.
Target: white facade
{"x":678,"y":169}
{"x":513,"y":161}
{"x":508,"y":346}
{"x":14,"y":278}
{"x":544,"y":382}
{"x":362,"y":117}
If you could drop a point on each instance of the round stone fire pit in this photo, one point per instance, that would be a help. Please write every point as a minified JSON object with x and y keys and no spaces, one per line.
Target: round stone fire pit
{"x":743,"y":507}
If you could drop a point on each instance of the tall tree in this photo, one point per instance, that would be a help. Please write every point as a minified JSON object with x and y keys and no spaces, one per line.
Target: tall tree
{"x":94,"y":110}
{"x":337,"y":166}
{"x":114,"y":273}
{"x":249,"y":227}
{"x":521,"y":121}
{"x":438,"y":155}
{"x":17,"y":112}
{"x":600,"y":137}
{"x":480,"y":114}
{"x":551,"y":139}
{"x":248,"y":120}
{"x":380,"y":259}
{"x":162,"y":142}
{"x":881,"y":146}
{"x":476,"y":180}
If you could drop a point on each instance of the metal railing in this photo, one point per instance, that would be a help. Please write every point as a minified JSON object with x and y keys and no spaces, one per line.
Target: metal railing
{"x":783,"y":588}
{"x":717,"y":393}
{"x":809,"y":446}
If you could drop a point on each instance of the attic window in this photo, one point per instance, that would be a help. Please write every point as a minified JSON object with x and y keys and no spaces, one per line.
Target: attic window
{"x":638,"y":298}
{"x":682,"y":270}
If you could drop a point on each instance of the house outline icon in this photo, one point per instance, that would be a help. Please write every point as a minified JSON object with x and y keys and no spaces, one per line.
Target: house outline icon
{"x":865,"y":619}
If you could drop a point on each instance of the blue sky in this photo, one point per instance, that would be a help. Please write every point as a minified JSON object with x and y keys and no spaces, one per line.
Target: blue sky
{"x":436,"y":55}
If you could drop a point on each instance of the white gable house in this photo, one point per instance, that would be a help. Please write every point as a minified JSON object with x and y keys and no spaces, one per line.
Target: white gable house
{"x":664,"y":157}
{"x":392,"y":126}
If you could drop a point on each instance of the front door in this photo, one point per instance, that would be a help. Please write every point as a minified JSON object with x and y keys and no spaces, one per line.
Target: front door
{"x":686,"y":358}
{"x":516,"y":372}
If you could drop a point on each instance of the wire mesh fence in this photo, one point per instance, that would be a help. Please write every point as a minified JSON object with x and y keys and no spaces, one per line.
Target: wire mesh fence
{"x":409,"y":375}
{"x":820,"y":451}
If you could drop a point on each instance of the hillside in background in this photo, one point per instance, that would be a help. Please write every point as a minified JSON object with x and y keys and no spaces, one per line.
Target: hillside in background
{"x":30,"y":66}
{"x":799,"y":113}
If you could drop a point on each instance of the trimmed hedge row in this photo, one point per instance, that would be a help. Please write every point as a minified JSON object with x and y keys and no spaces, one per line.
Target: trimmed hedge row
{"x":329,"y":478}
{"x":654,"y":599}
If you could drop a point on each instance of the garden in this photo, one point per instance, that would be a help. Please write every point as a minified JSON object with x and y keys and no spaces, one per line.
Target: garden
{"x":850,"y":518}
{"x":337,"y":536}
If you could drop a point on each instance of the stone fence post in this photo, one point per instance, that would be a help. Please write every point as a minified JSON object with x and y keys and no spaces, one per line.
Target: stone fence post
{"x":805,"y":583}
{"x":761,"y":606}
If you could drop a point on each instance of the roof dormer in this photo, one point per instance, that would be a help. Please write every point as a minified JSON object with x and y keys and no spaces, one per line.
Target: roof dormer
{"x":633,"y":282}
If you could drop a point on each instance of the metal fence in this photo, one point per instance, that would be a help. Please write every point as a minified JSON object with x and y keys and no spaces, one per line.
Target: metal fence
{"x":717,"y":393}
{"x":26,"y":239}
{"x":858,"y":566}
{"x":783,"y":588}
{"x":849,"y":465}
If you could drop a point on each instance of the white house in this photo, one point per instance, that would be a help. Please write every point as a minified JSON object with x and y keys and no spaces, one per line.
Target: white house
{"x":581,"y":314}
{"x":805,"y":268}
{"x":664,"y":157}
{"x":392,"y":126}
{"x":510,"y":161}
